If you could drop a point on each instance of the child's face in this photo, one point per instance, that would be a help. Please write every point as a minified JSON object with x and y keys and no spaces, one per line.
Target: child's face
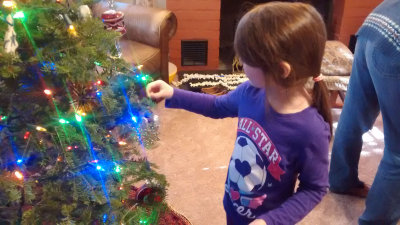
{"x":255,"y":75}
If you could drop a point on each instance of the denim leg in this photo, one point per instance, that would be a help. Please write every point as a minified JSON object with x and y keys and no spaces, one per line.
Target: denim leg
{"x":358,"y":115}
{"x":382,"y":204}
{"x":383,"y":201}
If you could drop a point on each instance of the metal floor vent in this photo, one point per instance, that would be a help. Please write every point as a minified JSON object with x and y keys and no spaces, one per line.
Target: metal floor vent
{"x":194,"y":52}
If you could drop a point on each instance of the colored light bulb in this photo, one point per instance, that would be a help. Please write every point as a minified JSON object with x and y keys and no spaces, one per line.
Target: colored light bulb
{"x":26,"y":135}
{"x":47,"y":92}
{"x":71,"y":30}
{"x":81,"y":113}
{"x":18,"y":175}
{"x":63,"y":121}
{"x":78,"y":118}
{"x":104,"y":218}
{"x":19,"y":161}
{"x":134,"y":119}
{"x":19,"y":15}
{"x":122,"y":143}
{"x":8,"y":4}
{"x":39,"y":128}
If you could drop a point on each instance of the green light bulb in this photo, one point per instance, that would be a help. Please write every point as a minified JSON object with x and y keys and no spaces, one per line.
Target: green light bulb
{"x":19,"y":15}
{"x":78,"y":118}
{"x":63,"y":121}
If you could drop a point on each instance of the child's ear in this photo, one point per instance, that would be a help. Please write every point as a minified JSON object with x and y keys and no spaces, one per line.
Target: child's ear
{"x":286,"y":69}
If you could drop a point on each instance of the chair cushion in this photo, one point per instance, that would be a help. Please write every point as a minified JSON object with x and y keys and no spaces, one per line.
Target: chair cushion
{"x":141,"y":54}
{"x":337,"y":60}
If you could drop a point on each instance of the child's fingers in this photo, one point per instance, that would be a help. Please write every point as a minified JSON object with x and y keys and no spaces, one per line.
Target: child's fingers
{"x":153,"y":87}
{"x":148,"y":89}
{"x":157,"y":90}
{"x":157,"y":95}
{"x":157,"y":100}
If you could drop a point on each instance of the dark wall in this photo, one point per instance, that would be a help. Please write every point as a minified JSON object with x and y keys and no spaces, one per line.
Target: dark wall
{"x":232,"y":10}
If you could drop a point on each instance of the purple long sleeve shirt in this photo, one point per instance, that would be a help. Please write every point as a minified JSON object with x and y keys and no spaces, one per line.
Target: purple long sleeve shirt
{"x":271,"y":152}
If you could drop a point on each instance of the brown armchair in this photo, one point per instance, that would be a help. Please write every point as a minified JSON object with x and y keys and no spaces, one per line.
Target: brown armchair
{"x":146,"y":40}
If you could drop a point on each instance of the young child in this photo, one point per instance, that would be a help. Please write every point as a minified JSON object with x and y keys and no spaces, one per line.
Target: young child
{"x":283,"y":131}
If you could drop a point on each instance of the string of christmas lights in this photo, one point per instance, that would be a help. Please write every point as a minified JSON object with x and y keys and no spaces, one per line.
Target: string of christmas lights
{"x":72,"y":128}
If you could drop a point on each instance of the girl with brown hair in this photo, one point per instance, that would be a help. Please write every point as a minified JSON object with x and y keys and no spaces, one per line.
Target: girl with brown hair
{"x":283,"y":130}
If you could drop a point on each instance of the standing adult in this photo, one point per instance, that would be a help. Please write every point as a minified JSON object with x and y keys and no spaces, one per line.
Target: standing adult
{"x":374,"y":87}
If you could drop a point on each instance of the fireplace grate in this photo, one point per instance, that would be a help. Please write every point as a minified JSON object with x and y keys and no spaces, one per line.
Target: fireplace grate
{"x":194,"y":52}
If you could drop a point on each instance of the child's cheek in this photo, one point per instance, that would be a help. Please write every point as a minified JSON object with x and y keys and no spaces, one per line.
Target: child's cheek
{"x":255,"y":75}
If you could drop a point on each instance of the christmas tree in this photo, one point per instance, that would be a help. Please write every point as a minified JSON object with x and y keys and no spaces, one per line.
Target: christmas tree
{"x":74,"y":121}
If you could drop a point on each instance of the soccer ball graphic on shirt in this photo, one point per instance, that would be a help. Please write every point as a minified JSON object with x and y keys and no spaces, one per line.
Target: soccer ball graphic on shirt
{"x":246,"y":168}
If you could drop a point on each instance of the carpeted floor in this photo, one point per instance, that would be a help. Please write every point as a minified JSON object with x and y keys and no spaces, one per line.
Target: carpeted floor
{"x":194,"y":152}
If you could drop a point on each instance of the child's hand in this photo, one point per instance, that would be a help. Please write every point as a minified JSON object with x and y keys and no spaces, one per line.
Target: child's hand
{"x":159,"y":90}
{"x":258,"y":222}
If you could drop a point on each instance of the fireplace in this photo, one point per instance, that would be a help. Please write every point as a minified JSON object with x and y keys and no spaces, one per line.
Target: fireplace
{"x":213,"y":22}
{"x":231,"y":12}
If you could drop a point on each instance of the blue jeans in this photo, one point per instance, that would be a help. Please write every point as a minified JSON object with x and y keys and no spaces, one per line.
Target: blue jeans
{"x":374,"y":86}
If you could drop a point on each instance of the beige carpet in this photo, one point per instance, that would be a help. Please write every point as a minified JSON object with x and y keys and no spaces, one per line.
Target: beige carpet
{"x":194,"y":152}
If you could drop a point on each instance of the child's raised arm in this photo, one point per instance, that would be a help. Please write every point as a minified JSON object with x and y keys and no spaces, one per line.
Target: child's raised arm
{"x":204,"y":104}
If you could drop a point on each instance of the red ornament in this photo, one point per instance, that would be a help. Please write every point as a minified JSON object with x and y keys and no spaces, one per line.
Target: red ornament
{"x":157,"y":198}
{"x":132,"y":193}
{"x":114,"y":20}
{"x":142,"y":192}
{"x":147,"y":194}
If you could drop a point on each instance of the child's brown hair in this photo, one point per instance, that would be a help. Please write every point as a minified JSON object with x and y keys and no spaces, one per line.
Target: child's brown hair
{"x":295,"y":33}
